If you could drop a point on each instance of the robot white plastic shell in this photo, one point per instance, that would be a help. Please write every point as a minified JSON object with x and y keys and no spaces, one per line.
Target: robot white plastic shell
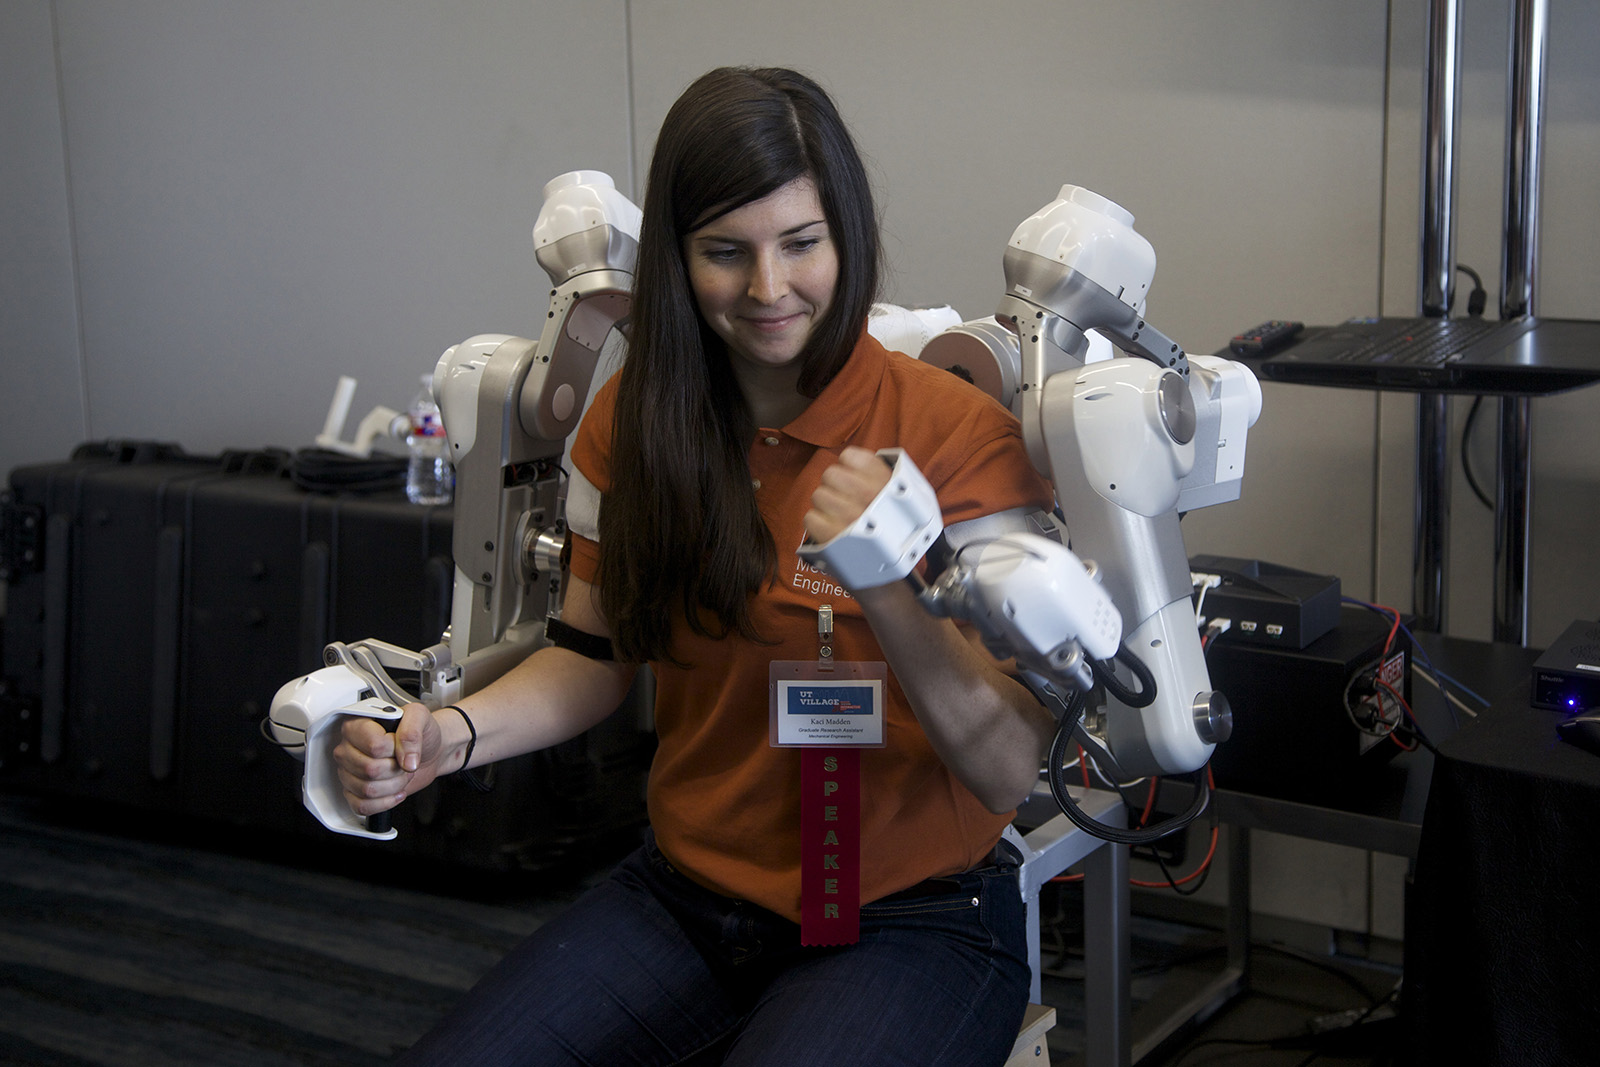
{"x":456,"y":378}
{"x":1095,"y":236}
{"x":578,"y":202}
{"x":1045,"y":597}
{"x":1228,"y":400}
{"x":1127,"y":415}
{"x":302,"y":702}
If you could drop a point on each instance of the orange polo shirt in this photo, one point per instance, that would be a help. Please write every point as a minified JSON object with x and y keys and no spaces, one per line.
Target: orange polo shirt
{"x":723,"y":802}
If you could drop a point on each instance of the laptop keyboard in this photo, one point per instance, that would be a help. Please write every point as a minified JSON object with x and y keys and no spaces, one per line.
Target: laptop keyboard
{"x":1435,"y":342}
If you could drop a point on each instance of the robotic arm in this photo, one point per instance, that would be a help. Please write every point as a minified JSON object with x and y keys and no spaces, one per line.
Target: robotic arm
{"x":508,"y":404}
{"x":1129,"y":442}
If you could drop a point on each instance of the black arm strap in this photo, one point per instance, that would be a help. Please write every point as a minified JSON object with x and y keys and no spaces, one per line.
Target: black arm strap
{"x":573,"y":639}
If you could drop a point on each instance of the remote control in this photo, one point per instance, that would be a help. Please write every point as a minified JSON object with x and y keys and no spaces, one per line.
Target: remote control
{"x":1265,"y":339}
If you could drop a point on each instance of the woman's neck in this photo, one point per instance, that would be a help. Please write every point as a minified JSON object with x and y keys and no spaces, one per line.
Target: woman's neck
{"x":771,"y":393}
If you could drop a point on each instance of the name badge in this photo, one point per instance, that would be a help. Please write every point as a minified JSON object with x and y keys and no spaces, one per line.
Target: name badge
{"x":839,"y":705}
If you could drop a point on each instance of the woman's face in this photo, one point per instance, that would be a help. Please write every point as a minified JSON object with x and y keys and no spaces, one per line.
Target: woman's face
{"x":764,"y":274}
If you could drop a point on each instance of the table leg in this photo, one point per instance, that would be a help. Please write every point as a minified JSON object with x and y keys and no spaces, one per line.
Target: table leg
{"x":1108,"y":1007}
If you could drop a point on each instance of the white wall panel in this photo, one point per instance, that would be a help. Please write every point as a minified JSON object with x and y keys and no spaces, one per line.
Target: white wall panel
{"x":270,"y":195}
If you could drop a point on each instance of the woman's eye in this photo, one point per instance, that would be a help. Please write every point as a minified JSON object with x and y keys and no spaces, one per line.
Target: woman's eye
{"x":721,"y":255}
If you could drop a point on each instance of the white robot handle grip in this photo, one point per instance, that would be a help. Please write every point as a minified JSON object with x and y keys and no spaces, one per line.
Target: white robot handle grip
{"x":320,"y":787}
{"x":304,"y":720}
{"x":885,"y":543}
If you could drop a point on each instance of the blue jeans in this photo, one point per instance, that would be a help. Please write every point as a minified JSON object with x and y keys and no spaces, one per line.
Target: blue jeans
{"x":648,"y":968}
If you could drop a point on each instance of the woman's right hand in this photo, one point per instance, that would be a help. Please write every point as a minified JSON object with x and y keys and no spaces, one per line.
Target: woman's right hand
{"x":550,"y":697}
{"x":378,"y":769}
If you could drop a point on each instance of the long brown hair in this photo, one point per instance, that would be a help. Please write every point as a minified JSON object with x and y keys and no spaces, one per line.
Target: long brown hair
{"x":680,"y":534}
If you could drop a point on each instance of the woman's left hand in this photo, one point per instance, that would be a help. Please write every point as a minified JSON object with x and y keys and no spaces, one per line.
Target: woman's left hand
{"x":987,"y":729}
{"x":847,"y":489}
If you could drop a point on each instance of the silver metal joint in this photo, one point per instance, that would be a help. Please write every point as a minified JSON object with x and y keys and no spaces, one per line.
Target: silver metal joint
{"x":541,"y":549}
{"x":1067,"y":661}
{"x":1177,"y":408}
{"x":1213,"y":717}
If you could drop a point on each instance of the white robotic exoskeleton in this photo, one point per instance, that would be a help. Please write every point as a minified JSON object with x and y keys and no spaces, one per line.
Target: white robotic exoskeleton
{"x":507,"y":404}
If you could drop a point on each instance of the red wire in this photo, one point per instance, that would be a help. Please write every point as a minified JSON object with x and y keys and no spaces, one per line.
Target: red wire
{"x":1394,"y":629}
{"x":1191,"y":876}
{"x":1406,"y":708}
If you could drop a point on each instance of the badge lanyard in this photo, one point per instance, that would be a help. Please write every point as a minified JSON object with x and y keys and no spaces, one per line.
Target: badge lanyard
{"x":830,"y":711}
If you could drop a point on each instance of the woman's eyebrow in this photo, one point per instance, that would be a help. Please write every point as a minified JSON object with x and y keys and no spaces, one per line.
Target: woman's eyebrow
{"x":790,"y":232}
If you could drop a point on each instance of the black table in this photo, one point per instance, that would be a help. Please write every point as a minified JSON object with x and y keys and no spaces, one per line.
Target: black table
{"x":1502,"y":938}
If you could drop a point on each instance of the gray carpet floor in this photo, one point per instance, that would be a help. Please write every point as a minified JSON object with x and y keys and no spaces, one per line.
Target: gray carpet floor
{"x":127,"y":943}
{"x":128,"y":950}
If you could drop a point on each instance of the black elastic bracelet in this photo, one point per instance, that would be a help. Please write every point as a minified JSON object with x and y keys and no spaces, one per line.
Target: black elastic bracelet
{"x":465,"y":774}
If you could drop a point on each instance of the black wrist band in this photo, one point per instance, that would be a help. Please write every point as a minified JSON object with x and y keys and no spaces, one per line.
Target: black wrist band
{"x":573,"y":639}
{"x":465,"y":774}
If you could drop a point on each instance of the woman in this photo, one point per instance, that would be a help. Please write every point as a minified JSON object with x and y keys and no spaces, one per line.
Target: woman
{"x":746,"y":418}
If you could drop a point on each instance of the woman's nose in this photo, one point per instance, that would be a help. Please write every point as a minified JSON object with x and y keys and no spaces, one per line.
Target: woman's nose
{"x":768,"y":282}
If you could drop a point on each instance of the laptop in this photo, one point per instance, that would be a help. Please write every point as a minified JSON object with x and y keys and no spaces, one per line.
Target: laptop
{"x":1520,"y":356}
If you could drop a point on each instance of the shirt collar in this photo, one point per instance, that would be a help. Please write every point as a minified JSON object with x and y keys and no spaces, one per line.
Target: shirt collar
{"x":839,"y":410}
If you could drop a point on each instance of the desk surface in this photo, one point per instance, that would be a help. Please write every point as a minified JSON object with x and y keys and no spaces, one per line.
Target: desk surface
{"x":1386,"y":813}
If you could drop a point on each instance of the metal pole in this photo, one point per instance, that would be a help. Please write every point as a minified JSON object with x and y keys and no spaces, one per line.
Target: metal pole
{"x":1518,"y":267}
{"x":1441,"y":121}
{"x":1441,"y":124}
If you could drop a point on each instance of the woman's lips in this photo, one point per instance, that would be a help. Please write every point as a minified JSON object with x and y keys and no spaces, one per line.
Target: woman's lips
{"x":772,"y":325}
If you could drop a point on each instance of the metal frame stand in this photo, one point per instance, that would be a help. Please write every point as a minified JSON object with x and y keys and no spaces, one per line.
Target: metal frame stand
{"x":1524,"y":136}
{"x":1047,"y":851}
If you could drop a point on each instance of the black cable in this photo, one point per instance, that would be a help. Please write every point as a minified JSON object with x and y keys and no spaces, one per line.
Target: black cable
{"x":1414,"y":728}
{"x":1331,"y":1035}
{"x":1142,"y":970}
{"x":1323,"y":965}
{"x":1477,"y":298}
{"x":1072,"y":725}
{"x":1105,"y":673}
{"x":1466,"y":455}
{"x":1261,"y":1043}
{"x":1320,"y":1042}
{"x":325,"y":471}
{"x":1475,"y":304}
{"x":1199,"y":879}
{"x":1147,"y":684}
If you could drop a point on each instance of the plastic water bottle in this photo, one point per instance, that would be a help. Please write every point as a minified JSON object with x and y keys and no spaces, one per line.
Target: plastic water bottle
{"x":430,"y":477}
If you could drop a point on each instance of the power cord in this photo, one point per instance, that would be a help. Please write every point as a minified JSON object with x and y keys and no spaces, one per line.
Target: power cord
{"x":1477,"y":298}
{"x":1466,"y":454}
{"x":324,"y":471}
{"x":1475,"y":304}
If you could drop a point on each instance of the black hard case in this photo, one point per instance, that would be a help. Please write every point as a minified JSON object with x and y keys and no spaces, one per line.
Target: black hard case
{"x":156,"y":601}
